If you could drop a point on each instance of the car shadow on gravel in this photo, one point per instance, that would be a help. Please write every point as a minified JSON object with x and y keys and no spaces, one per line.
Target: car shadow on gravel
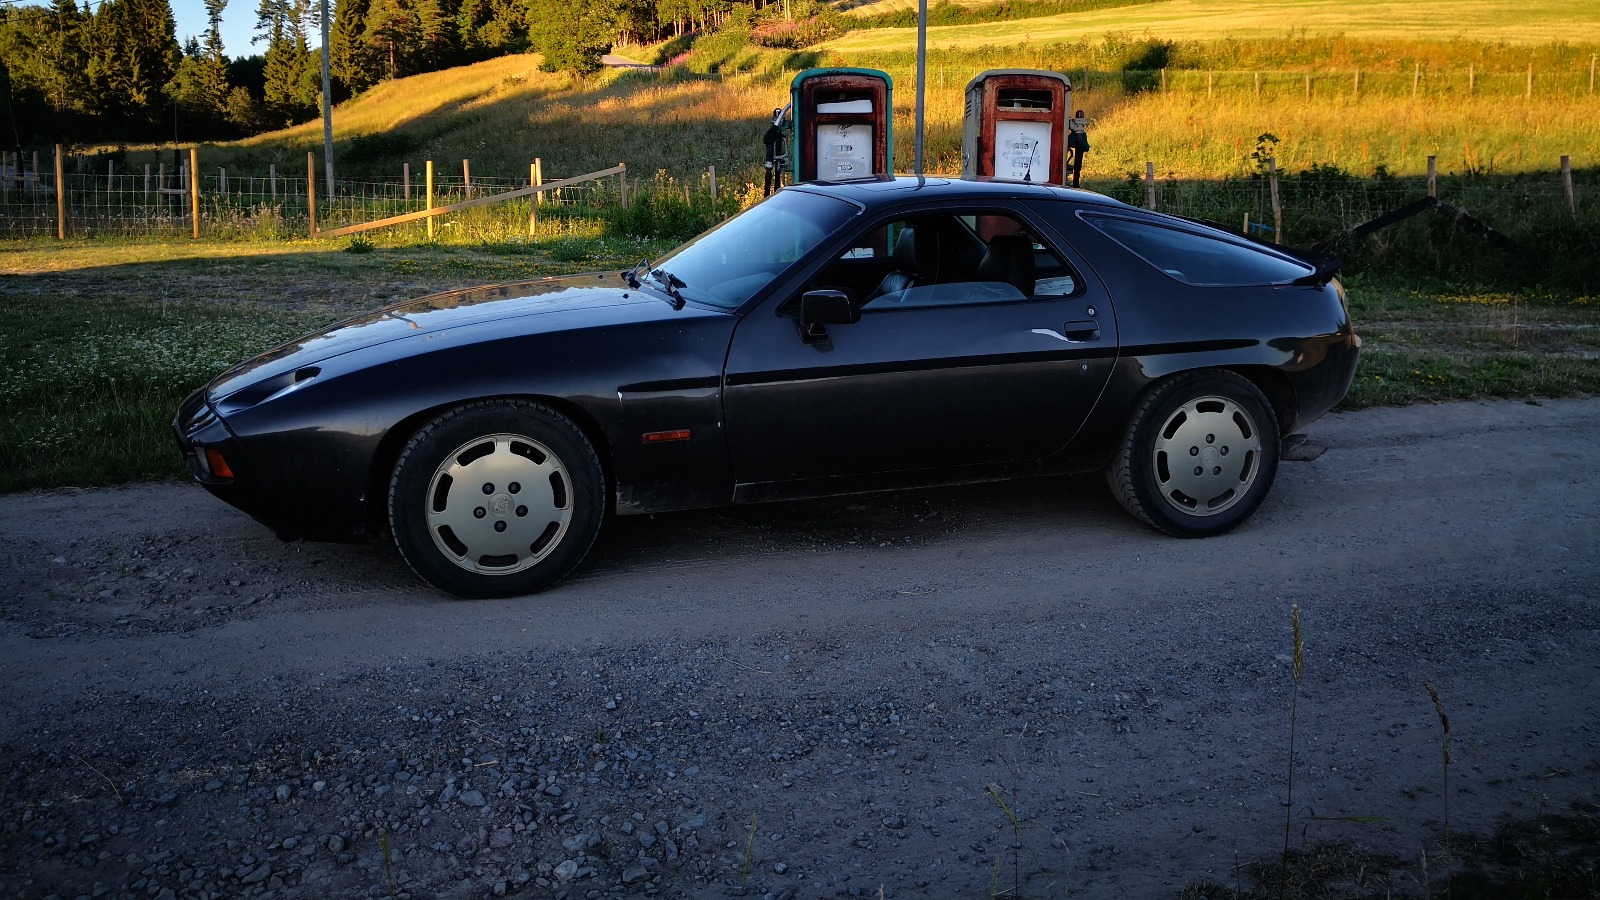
{"x":859,"y":522}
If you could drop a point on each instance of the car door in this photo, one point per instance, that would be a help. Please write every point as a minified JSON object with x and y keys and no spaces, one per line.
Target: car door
{"x":964,"y":368}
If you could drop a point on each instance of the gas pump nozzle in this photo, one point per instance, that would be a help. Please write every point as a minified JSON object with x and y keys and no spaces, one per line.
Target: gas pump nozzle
{"x":776,"y":160}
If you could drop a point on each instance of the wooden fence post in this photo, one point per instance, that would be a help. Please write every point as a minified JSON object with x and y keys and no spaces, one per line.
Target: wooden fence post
{"x":1433,"y":176}
{"x":1149,"y":185}
{"x":1258,"y":85}
{"x":466,"y":178}
{"x":311,"y":190}
{"x":1210,"y":79}
{"x":533,"y":201}
{"x":147,"y":182}
{"x":1529,"y":95}
{"x":1416,"y":75}
{"x":1277,"y":208}
{"x":1472,"y":80}
{"x":405,"y":179}
{"x":713,"y":171}
{"x":1566,"y":184}
{"x":194,"y":189}
{"x":1591,"y":72}
{"x":272,"y":181}
{"x":622,"y":181}
{"x":428,"y":187}
{"x":111,"y":175}
{"x":222,"y":179}
{"x":61,"y":194}
{"x":1308,"y":86}
{"x":1163,"y":79}
{"x":1355,"y":90}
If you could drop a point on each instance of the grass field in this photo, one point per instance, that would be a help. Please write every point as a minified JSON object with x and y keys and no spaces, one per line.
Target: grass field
{"x":104,"y":339}
{"x":1488,"y":21}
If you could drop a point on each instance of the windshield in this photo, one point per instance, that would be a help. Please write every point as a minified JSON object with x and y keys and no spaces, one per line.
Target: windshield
{"x":728,"y":264}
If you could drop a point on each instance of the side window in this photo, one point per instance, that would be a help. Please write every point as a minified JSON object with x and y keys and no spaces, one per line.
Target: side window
{"x":952,"y":260}
{"x":1199,"y":259}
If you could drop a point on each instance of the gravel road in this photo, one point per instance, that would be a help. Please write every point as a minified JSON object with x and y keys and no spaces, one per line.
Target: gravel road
{"x":815,"y":699}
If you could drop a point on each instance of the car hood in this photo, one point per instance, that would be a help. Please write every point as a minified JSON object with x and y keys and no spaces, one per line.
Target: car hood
{"x":593,"y":298}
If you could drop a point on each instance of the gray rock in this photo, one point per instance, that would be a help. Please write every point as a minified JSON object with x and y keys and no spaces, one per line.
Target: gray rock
{"x":566,"y":870}
{"x":473,"y":798}
{"x":634,"y":874}
{"x":500,"y":838}
{"x":257,"y":875}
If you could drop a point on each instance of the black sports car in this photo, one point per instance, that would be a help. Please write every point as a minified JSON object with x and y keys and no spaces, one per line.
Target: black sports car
{"x":836,"y":338}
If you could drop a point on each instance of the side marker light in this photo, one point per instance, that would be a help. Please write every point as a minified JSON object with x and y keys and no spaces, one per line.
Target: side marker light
{"x":219,"y":466}
{"x":658,"y":437}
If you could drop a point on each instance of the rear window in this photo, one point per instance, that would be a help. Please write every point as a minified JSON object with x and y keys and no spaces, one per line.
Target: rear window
{"x":1199,"y":259}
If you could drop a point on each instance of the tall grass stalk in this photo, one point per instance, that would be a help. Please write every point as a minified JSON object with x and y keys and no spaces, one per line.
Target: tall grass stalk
{"x":1444,"y":751}
{"x":1016,"y":842}
{"x":749,"y":851}
{"x":1294,"y":702}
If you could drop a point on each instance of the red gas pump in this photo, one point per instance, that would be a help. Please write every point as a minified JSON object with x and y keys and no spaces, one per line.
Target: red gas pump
{"x":1016,"y":126}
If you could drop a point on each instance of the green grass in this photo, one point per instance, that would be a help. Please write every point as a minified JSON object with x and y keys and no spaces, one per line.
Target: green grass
{"x":105,"y":338}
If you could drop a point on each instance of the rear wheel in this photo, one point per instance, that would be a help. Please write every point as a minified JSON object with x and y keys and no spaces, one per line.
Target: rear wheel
{"x":1199,"y":456}
{"x":497,"y":498}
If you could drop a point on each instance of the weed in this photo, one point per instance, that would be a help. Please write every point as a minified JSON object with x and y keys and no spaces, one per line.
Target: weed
{"x":749,"y":851}
{"x":1294,"y":702}
{"x":359,"y":244}
{"x":1444,"y":750}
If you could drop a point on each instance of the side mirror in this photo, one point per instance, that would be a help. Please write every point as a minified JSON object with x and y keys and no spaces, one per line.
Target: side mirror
{"x":827,"y":308}
{"x":819,"y":309}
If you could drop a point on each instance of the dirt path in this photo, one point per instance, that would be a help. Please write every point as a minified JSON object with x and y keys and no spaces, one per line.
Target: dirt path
{"x":193,"y":706}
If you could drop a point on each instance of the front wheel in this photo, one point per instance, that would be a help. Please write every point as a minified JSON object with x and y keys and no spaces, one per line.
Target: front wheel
{"x":1199,"y":455}
{"x":496,"y":498}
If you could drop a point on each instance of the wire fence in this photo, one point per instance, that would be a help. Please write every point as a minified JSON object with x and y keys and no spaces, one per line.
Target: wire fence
{"x":159,"y":203}
{"x":1306,"y":205}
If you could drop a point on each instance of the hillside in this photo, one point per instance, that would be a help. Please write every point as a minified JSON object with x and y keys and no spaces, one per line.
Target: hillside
{"x":1195,"y":106}
{"x":1490,"y":21}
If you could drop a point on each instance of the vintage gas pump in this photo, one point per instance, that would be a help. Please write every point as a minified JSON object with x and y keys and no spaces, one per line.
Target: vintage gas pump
{"x":1016,"y":126}
{"x":842,"y":121}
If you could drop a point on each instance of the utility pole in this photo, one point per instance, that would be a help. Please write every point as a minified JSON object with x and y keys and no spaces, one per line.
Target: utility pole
{"x":922,"y":81}
{"x":327,"y":107}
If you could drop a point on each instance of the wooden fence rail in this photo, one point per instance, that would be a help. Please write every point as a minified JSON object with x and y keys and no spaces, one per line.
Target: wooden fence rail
{"x":619,"y":169}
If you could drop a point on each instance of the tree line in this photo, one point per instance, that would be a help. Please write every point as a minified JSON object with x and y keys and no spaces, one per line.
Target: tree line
{"x":114,"y":70}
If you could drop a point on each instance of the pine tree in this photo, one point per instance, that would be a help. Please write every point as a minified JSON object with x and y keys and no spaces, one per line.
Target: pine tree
{"x":132,"y":54}
{"x":281,"y":24}
{"x":352,"y":60}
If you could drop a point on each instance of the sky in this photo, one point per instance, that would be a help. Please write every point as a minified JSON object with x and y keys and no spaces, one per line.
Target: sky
{"x":238,"y":24}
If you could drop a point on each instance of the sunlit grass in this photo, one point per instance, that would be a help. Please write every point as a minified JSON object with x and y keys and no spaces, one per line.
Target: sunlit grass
{"x":1531,"y":22}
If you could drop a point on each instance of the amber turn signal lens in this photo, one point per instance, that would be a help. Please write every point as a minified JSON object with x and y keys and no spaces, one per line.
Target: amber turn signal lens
{"x":656,"y":437}
{"x":219,"y":466}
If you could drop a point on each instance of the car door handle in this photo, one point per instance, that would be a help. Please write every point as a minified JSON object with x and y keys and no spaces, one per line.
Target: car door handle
{"x":1079,"y":332}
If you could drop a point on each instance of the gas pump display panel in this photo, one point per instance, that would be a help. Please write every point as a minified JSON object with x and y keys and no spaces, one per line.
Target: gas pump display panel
{"x":844,"y":151}
{"x":1022,"y":151}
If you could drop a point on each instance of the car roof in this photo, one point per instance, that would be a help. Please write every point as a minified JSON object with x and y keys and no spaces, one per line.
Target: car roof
{"x":872,"y":192}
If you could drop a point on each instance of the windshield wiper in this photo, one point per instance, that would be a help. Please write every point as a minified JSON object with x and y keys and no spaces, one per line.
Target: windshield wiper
{"x":632,"y":275}
{"x":672,"y":283}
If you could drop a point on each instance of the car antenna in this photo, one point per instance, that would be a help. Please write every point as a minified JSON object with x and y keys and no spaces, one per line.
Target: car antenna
{"x":1027,"y":173}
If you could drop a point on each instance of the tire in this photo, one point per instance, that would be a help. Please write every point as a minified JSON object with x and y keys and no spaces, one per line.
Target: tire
{"x":496,"y":498}
{"x":1199,"y":456}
